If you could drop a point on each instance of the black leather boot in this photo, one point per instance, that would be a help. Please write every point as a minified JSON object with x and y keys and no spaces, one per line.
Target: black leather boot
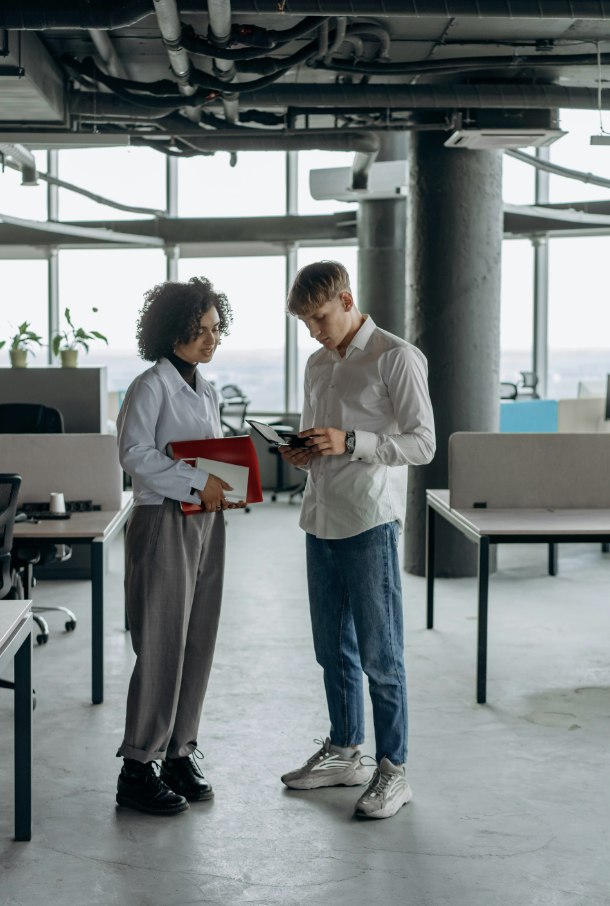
{"x":184,"y":776}
{"x":141,"y":788}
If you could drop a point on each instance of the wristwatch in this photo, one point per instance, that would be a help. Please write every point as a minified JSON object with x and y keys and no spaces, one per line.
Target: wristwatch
{"x":350,"y":442}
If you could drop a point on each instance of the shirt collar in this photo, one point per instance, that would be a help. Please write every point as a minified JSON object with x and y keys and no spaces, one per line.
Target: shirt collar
{"x":173,"y":380}
{"x":364,"y":334}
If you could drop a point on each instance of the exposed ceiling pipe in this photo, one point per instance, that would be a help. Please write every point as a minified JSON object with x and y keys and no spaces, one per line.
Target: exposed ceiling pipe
{"x":107,"y":14}
{"x":382,"y":35}
{"x":541,"y":164}
{"x":107,"y":52}
{"x":339,"y":37}
{"x":170,"y":27}
{"x":24,"y":159}
{"x":361,"y":167}
{"x":219,"y":12}
{"x":366,"y":142}
{"x":433,"y":97}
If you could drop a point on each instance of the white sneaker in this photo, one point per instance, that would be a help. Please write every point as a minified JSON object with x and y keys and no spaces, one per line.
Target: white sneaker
{"x":327,"y":768}
{"x":387,"y":792}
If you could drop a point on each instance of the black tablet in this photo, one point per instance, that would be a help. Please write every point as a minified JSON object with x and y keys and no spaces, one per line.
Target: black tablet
{"x":279,"y":438}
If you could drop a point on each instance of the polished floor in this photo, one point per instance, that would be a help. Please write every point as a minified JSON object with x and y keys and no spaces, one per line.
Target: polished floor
{"x":511,"y":800}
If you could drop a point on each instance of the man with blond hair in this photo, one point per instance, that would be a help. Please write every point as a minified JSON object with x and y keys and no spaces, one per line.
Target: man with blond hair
{"x":366,"y":417}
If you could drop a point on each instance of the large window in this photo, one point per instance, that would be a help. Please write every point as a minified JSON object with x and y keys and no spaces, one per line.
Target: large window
{"x":24,"y":298}
{"x":254,"y":187}
{"x":133,"y":176}
{"x":26,"y":202}
{"x":252,"y":356}
{"x":113,"y":281}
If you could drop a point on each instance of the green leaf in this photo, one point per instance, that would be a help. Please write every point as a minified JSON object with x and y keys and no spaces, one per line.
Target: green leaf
{"x":81,"y":333}
{"x":100,"y":336}
{"x":95,"y":309}
{"x":2,"y":343}
{"x":67,"y":316}
{"x":82,"y":342}
{"x":56,"y":343}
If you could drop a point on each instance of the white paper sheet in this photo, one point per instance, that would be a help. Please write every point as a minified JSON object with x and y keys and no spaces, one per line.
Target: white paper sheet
{"x":236,"y":476}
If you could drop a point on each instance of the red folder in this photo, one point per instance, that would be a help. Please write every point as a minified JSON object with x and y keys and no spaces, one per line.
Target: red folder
{"x":239,"y":451}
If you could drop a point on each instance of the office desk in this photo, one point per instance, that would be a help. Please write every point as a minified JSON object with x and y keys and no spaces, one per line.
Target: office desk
{"x":97,"y":529}
{"x":16,"y":644}
{"x":510,"y":526}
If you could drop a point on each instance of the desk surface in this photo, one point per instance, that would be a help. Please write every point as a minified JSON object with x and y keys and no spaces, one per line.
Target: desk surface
{"x":94,"y":524}
{"x":12,"y":614}
{"x":528,"y":521}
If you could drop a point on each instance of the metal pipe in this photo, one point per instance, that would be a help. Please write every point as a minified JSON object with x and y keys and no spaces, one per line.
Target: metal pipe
{"x":435,"y":97}
{"x":323,"y":39}
{"x":361,"y":167}
{"x":25,"y":159}
{"x":382,"y":35}
{"x":543,"y":163}
{"x":107,"y":52}
{"x":366,"y":142}
{"x":219,"y":12}
{"x":339,"y":37}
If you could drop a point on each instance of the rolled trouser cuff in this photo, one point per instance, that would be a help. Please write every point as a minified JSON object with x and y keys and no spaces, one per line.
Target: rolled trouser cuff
{"x":142,"y":755}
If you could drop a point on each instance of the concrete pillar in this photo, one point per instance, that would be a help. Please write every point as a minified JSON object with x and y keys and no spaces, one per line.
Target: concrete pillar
{"x":381,"y":249}
{"x":453,"y":315}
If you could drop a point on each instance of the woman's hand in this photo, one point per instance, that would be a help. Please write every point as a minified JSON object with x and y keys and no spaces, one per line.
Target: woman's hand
{"x":212,"y":496}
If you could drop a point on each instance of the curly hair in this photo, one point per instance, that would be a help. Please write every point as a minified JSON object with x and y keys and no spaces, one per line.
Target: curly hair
{"x":172,"y":313}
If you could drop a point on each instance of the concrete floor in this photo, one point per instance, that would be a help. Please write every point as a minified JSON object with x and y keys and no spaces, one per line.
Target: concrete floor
{"x":511,"y":800}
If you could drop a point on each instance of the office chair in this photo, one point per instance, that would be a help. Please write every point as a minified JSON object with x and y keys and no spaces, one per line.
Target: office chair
{"x":33,"y":418}
{"x":30,"y":418}
{"x":233,"y":404}
{"x":508,"y":391}
{"x":10,"y":586}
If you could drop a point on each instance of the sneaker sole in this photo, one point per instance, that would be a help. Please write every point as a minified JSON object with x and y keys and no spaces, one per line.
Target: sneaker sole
{"x":313,"y":784}
{"x":383,"y":813}
{"x":132,"y":803}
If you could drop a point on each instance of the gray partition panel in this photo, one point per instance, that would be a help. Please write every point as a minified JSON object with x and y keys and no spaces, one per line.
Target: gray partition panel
{"x":562,"y":471}
{"x":80,"y":393}
{"x":81,"y":466}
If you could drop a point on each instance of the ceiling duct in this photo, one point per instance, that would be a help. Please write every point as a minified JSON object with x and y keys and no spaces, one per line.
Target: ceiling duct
{"x":434,"y":97}
{"x":503,"y":139}
{"x":25,"y":161}
{"x":108,"y":14}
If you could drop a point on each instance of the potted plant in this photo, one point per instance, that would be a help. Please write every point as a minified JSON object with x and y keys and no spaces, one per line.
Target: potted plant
{"x":65,"y":343}
{"x":20,"y":343}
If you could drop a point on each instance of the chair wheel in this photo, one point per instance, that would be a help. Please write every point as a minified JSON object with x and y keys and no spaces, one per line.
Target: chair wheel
{"x":43,"y":638}
{"x":274,"y":497}
{"x":247,"y":509}
{"x":70,"y":625}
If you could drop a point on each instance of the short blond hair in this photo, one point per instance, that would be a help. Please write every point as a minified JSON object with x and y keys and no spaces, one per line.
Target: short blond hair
{"x":315,"y":285}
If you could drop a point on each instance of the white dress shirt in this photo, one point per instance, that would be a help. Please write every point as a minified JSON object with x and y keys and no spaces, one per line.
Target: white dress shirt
{"x":160,"y":407}
{"x":379,"y":390}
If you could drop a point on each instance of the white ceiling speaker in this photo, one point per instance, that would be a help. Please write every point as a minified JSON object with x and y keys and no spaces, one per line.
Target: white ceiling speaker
{"x":503,"y":139}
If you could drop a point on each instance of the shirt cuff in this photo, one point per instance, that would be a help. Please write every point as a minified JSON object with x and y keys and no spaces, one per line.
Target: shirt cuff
{"x":366,"y":446}
{"x":197,"y":481}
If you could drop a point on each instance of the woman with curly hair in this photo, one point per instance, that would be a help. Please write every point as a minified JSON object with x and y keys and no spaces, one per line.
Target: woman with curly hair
{"x":173,"y":563}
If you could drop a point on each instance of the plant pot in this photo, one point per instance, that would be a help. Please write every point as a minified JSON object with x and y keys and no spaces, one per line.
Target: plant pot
{"x":19,"y":358}
{"x":69,"y":358}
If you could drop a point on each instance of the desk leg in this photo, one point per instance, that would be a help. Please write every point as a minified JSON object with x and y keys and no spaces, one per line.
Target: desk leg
{"x":553,"y":561}
{"x":28,"y":576}
{"x":605,"y":547}
{"x":97,"y":622}
{"x":23,"y":741}
{"x":430,"y":520}
{"x":125,"y":605}
{"x":482,"y":622}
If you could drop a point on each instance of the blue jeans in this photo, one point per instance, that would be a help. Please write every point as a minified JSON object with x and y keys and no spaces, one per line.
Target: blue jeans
{"x":355,"y":598}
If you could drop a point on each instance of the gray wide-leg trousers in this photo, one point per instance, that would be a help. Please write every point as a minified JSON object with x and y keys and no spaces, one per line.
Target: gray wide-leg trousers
{"x":174,"y":567}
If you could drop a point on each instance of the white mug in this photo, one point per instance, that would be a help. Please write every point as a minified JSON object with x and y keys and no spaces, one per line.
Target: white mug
{"x":57,"y":503}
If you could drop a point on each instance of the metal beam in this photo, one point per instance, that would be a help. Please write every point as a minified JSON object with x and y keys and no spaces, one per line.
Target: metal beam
{"x":540,"y":350}
{"x":291,"y":345}
{"x":53,"y":262}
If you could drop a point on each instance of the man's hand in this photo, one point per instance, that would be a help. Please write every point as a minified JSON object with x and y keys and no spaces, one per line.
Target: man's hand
{"x":325,"y":441}
{"x":212,"y":496}
{"x":296,"y":456}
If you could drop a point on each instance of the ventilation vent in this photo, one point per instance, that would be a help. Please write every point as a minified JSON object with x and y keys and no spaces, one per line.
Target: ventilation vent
{"x":503,"y":139}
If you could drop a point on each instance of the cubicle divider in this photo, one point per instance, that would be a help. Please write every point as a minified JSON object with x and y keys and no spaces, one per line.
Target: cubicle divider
{"x":562,"y":471}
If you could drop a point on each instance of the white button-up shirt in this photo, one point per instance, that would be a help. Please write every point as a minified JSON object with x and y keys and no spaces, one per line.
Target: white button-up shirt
{"x":379,"y":389}
{"x":160,"y":407}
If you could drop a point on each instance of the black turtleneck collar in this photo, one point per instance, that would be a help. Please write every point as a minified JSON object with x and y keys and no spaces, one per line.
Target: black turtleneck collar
{"x":186,"y":369}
